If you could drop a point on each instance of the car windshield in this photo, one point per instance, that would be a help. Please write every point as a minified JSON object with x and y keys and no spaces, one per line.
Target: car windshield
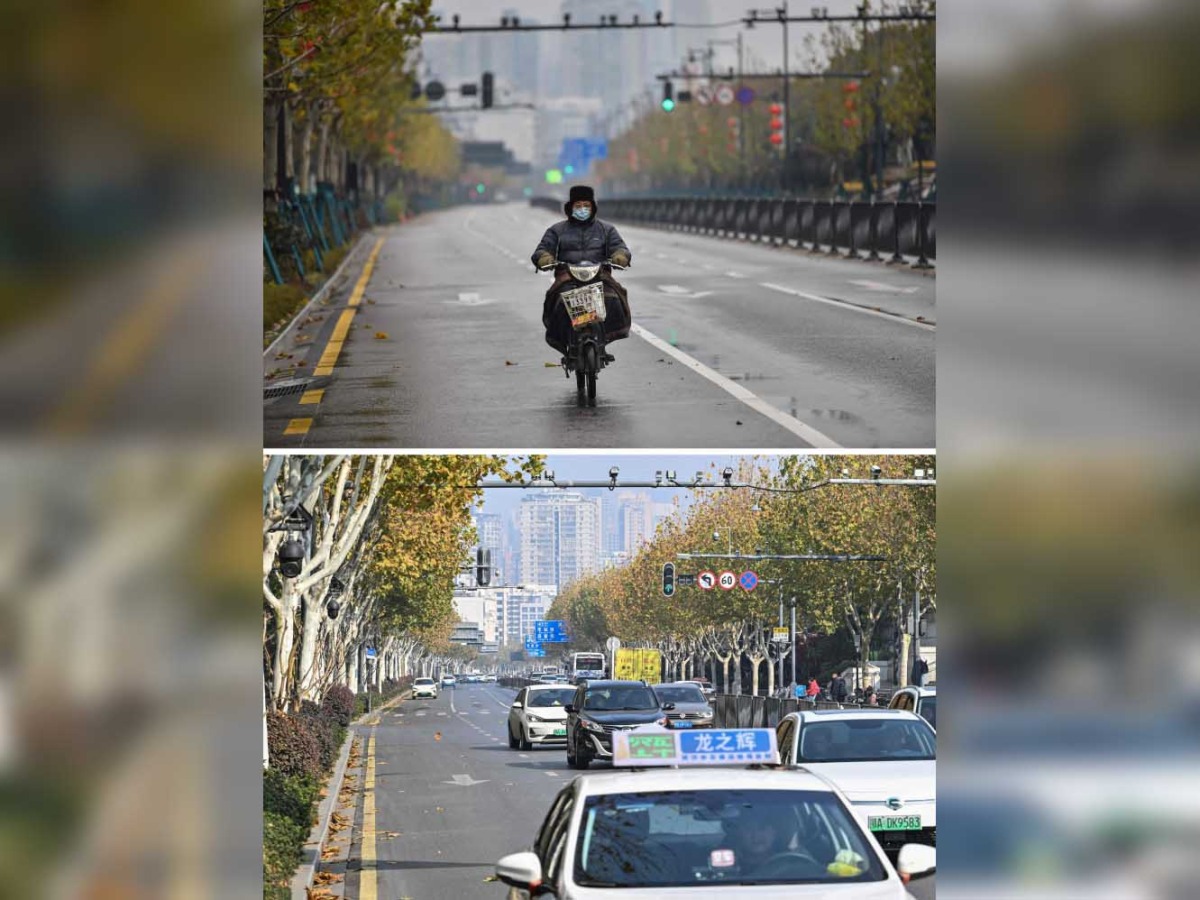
{"x":616,"y":698}
{"x":721,"y":837}
{"x":929,"y":710}
{"x":856,"y":740}
{"x":553,"y":697}
{"x":679,"y":693}
{"x":424,"y":681}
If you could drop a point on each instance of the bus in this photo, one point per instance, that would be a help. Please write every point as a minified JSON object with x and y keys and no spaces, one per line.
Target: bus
{"x":586,"y":665}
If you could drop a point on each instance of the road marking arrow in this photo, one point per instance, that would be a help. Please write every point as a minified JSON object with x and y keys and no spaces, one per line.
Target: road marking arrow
{"x":465,"y":780}
{"x":471,"y":299}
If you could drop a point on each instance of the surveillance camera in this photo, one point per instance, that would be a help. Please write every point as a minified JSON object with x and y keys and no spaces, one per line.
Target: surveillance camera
{"x":548,"y":474}
{"x":918,"y":474}
{"x":291,"y":558}
{"x":716,"y":535}
{"x":845,"y":473}
{"x":876,"y":471}
{"x":727,"y":474}
{"x":614,"y":472}
{"x":332,"y":607}
{"x":658,"y":476}
{"x":671,"y":474}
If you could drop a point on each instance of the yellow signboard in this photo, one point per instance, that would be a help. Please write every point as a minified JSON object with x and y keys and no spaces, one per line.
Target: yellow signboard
{"x":634,"y":664}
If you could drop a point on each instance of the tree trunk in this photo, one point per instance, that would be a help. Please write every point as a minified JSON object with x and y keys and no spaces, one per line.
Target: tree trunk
{"x":304,"y":151}
{"x":285,"y":639}
{"x":308,"y":679}
{"x":270,"y":144}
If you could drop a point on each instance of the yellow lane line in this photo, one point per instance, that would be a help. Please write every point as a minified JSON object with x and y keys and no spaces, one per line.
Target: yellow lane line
{"x":126,"y":347}
{"x":333,"y":349}
{"x":298,"y":426}
{"x":311,"y":397}
{"x":368,"y":883}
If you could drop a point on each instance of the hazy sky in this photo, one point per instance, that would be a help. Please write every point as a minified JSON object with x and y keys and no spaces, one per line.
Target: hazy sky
{"x":765,"y":41}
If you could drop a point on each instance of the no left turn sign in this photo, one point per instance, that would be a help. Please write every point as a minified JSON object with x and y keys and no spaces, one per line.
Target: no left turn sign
{"x":727,"y":580}
{"x":706,"y":580}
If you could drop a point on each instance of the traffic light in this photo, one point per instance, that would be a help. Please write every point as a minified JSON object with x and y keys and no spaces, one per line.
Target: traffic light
{"x":776,"y":110}
{"x":850,"y":89}
{"x":668,"y":579}
{"x":486,"y":99}
{"x":483,"y":567}
{"x":668,"y":100}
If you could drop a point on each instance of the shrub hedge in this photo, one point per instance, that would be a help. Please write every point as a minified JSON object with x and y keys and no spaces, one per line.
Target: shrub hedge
{"x":339,"y":704}
{"x":295,"y":750}
{"x":283,"y":841}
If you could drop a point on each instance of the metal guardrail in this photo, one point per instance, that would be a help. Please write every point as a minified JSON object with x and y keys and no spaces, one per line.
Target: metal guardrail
{"x":741,"y":711}
{"x":880,"y":231}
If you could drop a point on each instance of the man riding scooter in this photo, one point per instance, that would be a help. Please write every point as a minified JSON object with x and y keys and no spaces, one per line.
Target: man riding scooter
{"x":582,"y":238}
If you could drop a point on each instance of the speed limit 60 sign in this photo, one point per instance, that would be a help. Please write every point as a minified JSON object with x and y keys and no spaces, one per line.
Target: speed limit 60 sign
{"x":727,"y":580}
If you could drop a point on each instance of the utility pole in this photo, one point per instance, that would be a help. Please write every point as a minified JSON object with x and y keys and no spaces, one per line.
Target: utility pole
{"x":787,"y":107}
{"x":741,"y":120}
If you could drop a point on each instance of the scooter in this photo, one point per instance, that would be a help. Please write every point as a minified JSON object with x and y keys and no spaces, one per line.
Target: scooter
{"x":583,"y":298}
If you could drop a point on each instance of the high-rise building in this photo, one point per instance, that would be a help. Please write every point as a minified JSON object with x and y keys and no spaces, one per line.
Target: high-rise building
{"x":560,"y":537}
{"x":517,"y":610}
{"x":637,"y":514}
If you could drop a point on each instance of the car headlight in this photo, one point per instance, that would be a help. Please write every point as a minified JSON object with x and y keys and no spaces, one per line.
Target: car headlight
{"x":584,"y":273}
{"x":592,"y":726}
{"x":535,"y":718}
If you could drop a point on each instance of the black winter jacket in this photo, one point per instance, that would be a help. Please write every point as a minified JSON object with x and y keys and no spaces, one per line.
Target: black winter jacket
{"x":575,"y":242}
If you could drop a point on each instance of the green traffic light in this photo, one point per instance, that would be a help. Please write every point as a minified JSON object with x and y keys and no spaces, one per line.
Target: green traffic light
{"x":480,"y":188}
{"x":668,"y":105}
{"x":570,"y":170}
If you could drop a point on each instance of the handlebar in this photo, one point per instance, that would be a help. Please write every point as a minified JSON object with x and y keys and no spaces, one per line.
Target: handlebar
{"x":554,"y":265}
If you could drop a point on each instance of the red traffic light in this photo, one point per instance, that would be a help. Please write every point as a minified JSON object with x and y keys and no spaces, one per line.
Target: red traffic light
{"x":775,"y":109}
{"x":732,"y":122}
{"x":850,"y":87}
{"x":777,"y":138}
{"x":776,"y":124}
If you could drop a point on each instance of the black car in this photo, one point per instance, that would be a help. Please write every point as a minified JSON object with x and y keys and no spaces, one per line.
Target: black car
{"x":601,"y":707}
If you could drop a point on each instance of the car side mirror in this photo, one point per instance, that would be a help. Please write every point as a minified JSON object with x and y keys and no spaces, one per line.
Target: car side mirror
{"x":570,"y":708}
{"x":521,"y":870}
{"x":517,"y":705}
{"x":916,"y":861}
{"x":667,"y":707}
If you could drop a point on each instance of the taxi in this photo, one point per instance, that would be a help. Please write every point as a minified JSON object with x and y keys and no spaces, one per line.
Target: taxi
{"x":688,"y":814}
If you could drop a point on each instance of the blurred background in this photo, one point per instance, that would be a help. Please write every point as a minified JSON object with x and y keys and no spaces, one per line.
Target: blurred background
{"x":130,"y":273}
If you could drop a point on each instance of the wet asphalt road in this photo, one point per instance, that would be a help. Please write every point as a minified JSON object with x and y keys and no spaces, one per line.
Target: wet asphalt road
{"x":735,"y":346}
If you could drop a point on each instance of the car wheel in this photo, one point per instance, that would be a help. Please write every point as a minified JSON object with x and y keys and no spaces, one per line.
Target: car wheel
{"x":512,"y":741}
{"x":526,"y":744}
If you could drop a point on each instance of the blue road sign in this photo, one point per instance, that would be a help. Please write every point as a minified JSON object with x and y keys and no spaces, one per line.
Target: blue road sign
{"x":533,"y":653}
{"x":727,"y":745}
{"x":552,"y":631}
{"x":748,"y":581}
{"x":745,"y":96}
{"x":370,"y":653}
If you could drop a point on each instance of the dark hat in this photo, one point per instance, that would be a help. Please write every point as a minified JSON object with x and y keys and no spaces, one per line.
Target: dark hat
{"x":582,"y":192}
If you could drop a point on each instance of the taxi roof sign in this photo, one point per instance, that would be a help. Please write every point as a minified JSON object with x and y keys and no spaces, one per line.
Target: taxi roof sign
{"x":695,"y":747}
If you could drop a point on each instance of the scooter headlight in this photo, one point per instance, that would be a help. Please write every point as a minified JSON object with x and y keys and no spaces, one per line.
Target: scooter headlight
{"x":584,"y":272}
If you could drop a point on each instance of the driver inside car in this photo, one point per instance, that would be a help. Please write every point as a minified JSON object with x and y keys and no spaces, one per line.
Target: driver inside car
{"x":582,"y":237}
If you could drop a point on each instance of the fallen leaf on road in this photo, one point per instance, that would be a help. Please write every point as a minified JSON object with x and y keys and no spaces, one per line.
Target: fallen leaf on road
{"x":328,"y":878}
{"x":488,"y":879}
{"x":437,"y":735}
{"x":381,"y":335}
{"x":550,"y":365}
{"x":509,"y":362}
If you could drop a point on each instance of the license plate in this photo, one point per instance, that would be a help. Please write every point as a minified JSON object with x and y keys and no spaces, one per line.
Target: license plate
{"x":681,"y":723}
{"x":894,"y":823}
{"x":560,"y":732}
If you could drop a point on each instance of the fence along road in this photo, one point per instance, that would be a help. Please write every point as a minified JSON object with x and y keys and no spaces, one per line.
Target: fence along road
{"x":736,"y":344}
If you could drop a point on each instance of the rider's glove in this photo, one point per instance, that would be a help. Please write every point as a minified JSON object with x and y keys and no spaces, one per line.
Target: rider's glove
{"x":544,"y":260}
{"x":621,"y":258}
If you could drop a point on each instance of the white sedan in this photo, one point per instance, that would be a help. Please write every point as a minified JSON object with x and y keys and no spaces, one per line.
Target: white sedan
{"x":883,"y":760}
{"x":539,"y":716}
{"x":425,"y":687}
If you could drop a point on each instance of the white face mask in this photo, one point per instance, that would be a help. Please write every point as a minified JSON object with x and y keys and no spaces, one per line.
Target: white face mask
{"x":582,"y":213}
